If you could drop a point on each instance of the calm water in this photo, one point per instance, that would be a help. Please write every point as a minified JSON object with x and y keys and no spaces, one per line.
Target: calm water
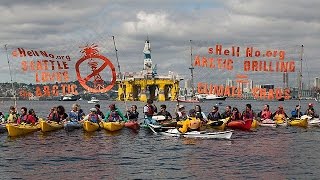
{"x":268,"y":153}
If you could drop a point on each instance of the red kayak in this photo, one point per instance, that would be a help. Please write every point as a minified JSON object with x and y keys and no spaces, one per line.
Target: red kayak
{"x":240,"y":124}
{"x":132,"y":125}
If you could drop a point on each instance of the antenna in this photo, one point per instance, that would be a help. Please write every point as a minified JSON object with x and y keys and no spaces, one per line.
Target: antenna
{"x":191,"y":68}
{"x":12,"y":86}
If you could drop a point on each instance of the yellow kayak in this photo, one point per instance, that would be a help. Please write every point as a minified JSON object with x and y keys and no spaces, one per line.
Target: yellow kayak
{"x":90,"y":126}
{"x":299,"y":122}
{"x":113,"y":126}
{"x":219,"y":125}
{"x":254,"y":124}
{"x":49,"y":126}
{"x":20,"y":129}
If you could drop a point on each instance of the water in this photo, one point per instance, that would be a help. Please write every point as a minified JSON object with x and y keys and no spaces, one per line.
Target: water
{"x":268,"y":153}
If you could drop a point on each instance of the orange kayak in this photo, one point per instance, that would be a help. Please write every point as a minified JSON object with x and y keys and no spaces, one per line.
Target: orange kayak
{"x":132,"y":125}
{"x":240,"y":124}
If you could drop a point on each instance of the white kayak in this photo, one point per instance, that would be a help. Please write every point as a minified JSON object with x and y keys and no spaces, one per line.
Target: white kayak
{"x":268,"y":123}
{"x":199,"y":134}
{"x":159,"y":117}
{"x":314,"y":122}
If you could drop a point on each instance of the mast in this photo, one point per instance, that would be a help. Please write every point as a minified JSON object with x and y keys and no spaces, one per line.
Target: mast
{"x":191,"y":68}
{"x":12,"y":86}
{"x":116,"y":50}
{"x":300,"y":77}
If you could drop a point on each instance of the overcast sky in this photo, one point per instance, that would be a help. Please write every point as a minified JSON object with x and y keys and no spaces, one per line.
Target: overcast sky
{"x":63,"y":25}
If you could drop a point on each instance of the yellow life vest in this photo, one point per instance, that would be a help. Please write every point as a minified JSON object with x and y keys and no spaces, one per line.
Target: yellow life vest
{"x":279,"y":117}
{"x":192,"y":124}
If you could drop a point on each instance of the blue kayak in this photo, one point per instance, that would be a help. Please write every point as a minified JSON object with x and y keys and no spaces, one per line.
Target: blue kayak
{"x":72,"y":125}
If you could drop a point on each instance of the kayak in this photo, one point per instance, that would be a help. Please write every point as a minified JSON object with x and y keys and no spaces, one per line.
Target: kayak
{"x":132,"y":125}
{"x":240,"y":124}
{"x":72,"y":125}
{"x":314,"y":122}
{"x":90,"y":126}
{"x":268,"y":123}
{"x":46,"y":126}
{"x":299,"y":122}
{"x":20,"y":129}
{"x":219,"y":125}
{"x":199,"y":134}
{"x":113,"y":126}
{"x":280,"y":122}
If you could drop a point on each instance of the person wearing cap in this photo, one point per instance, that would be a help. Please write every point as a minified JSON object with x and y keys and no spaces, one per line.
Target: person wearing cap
{"x":279,"y":114}
{"x":180,"y":113}
{"x":199,"y":114}
{"x":296,"y":113}
{"x":99,"y":112}
{"x":93,"y":116}
{"x":164,"y":112}
{"x":114,"y":114}
{"x":214,"y":115}
{"x":310,"y":111}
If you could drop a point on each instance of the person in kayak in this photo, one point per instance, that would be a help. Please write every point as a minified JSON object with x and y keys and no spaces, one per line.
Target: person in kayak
{"x":12,"y":117}
{"x":236,"y":115}
{"x":53,"y":115}
{"x":33,"y":113}
{"x":199,"y":114}
{"x":132,"y":114}
{"x":279,"y":115}
{"x":181,"y":113}
{"x":99,"y":112}
{"x":310,"y":111}
{"x":25,"y":117}
{"x":248,"y":114}
{"x":114,"y":114}
{"x":214,"y":115}
{"x":164,"y":112}
{"x":149,"y":110}
{"x":296,"y":113}
{"x":227,"y":113}
{"x":93,"y":116}
{"x":62,"y":115}
{"x":192,"y":123}
{"x":76,"y":114}
{"x":265,"y":113}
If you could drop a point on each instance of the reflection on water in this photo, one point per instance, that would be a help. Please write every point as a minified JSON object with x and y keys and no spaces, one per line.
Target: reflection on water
{"x":266,"y":153}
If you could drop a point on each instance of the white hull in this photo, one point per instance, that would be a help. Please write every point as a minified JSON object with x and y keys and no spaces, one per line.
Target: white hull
{"x":93,"y":102}
{"x":198,"y":134}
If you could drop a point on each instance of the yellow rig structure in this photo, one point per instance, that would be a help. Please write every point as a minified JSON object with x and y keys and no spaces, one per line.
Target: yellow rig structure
{"x":147,"y":84}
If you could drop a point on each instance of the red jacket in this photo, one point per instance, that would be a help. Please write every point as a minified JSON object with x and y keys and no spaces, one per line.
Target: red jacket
{"x":29,"y":119}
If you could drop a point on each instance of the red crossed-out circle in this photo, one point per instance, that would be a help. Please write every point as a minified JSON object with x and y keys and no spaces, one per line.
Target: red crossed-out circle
{"x":83,"y":81}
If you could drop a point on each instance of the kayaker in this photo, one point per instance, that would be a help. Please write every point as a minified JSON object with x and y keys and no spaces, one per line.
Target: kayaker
{"x":265,"y":113}
{"x":310,"y":111}
{"x":1,"y":117}
{"x":279,"y":114}
{"x":149,"y":110}
{"x":114,"y":114}
{"x":248,"y":114}
{"x":227,"y":113}
{"x":181,"y":113}
{"x":99,"y":112}
{"x":33,"y":113}
{"x":93,"y":116}
{"x":236,"y":115}
{"x":62,"y":115}
{"x":164,"y":112}
{"x":132,"y":114}
{"x":53,"y":115}
{"x":25,"y":117}
{"x":214,"y":115}
{"x":12,"y":116}
{"x":192,"y":123}
{"x":296,"y":113}
{"x":199,"y":114}
{"x":76,"y":114}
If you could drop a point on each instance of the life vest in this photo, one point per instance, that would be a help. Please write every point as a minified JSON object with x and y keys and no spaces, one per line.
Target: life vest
{"x":279,"y":117}
{"x":93,"y":118}
{"x":248,"y":115}
{"x":53,"y":117}
{"x":114,"y":116}
{"x":190,"y":124}
{"x":266,"y":115}
{"x":150,"y":110}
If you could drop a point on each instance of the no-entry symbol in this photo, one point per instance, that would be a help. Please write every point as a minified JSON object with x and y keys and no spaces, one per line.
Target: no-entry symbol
{"x":83,"y":80}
